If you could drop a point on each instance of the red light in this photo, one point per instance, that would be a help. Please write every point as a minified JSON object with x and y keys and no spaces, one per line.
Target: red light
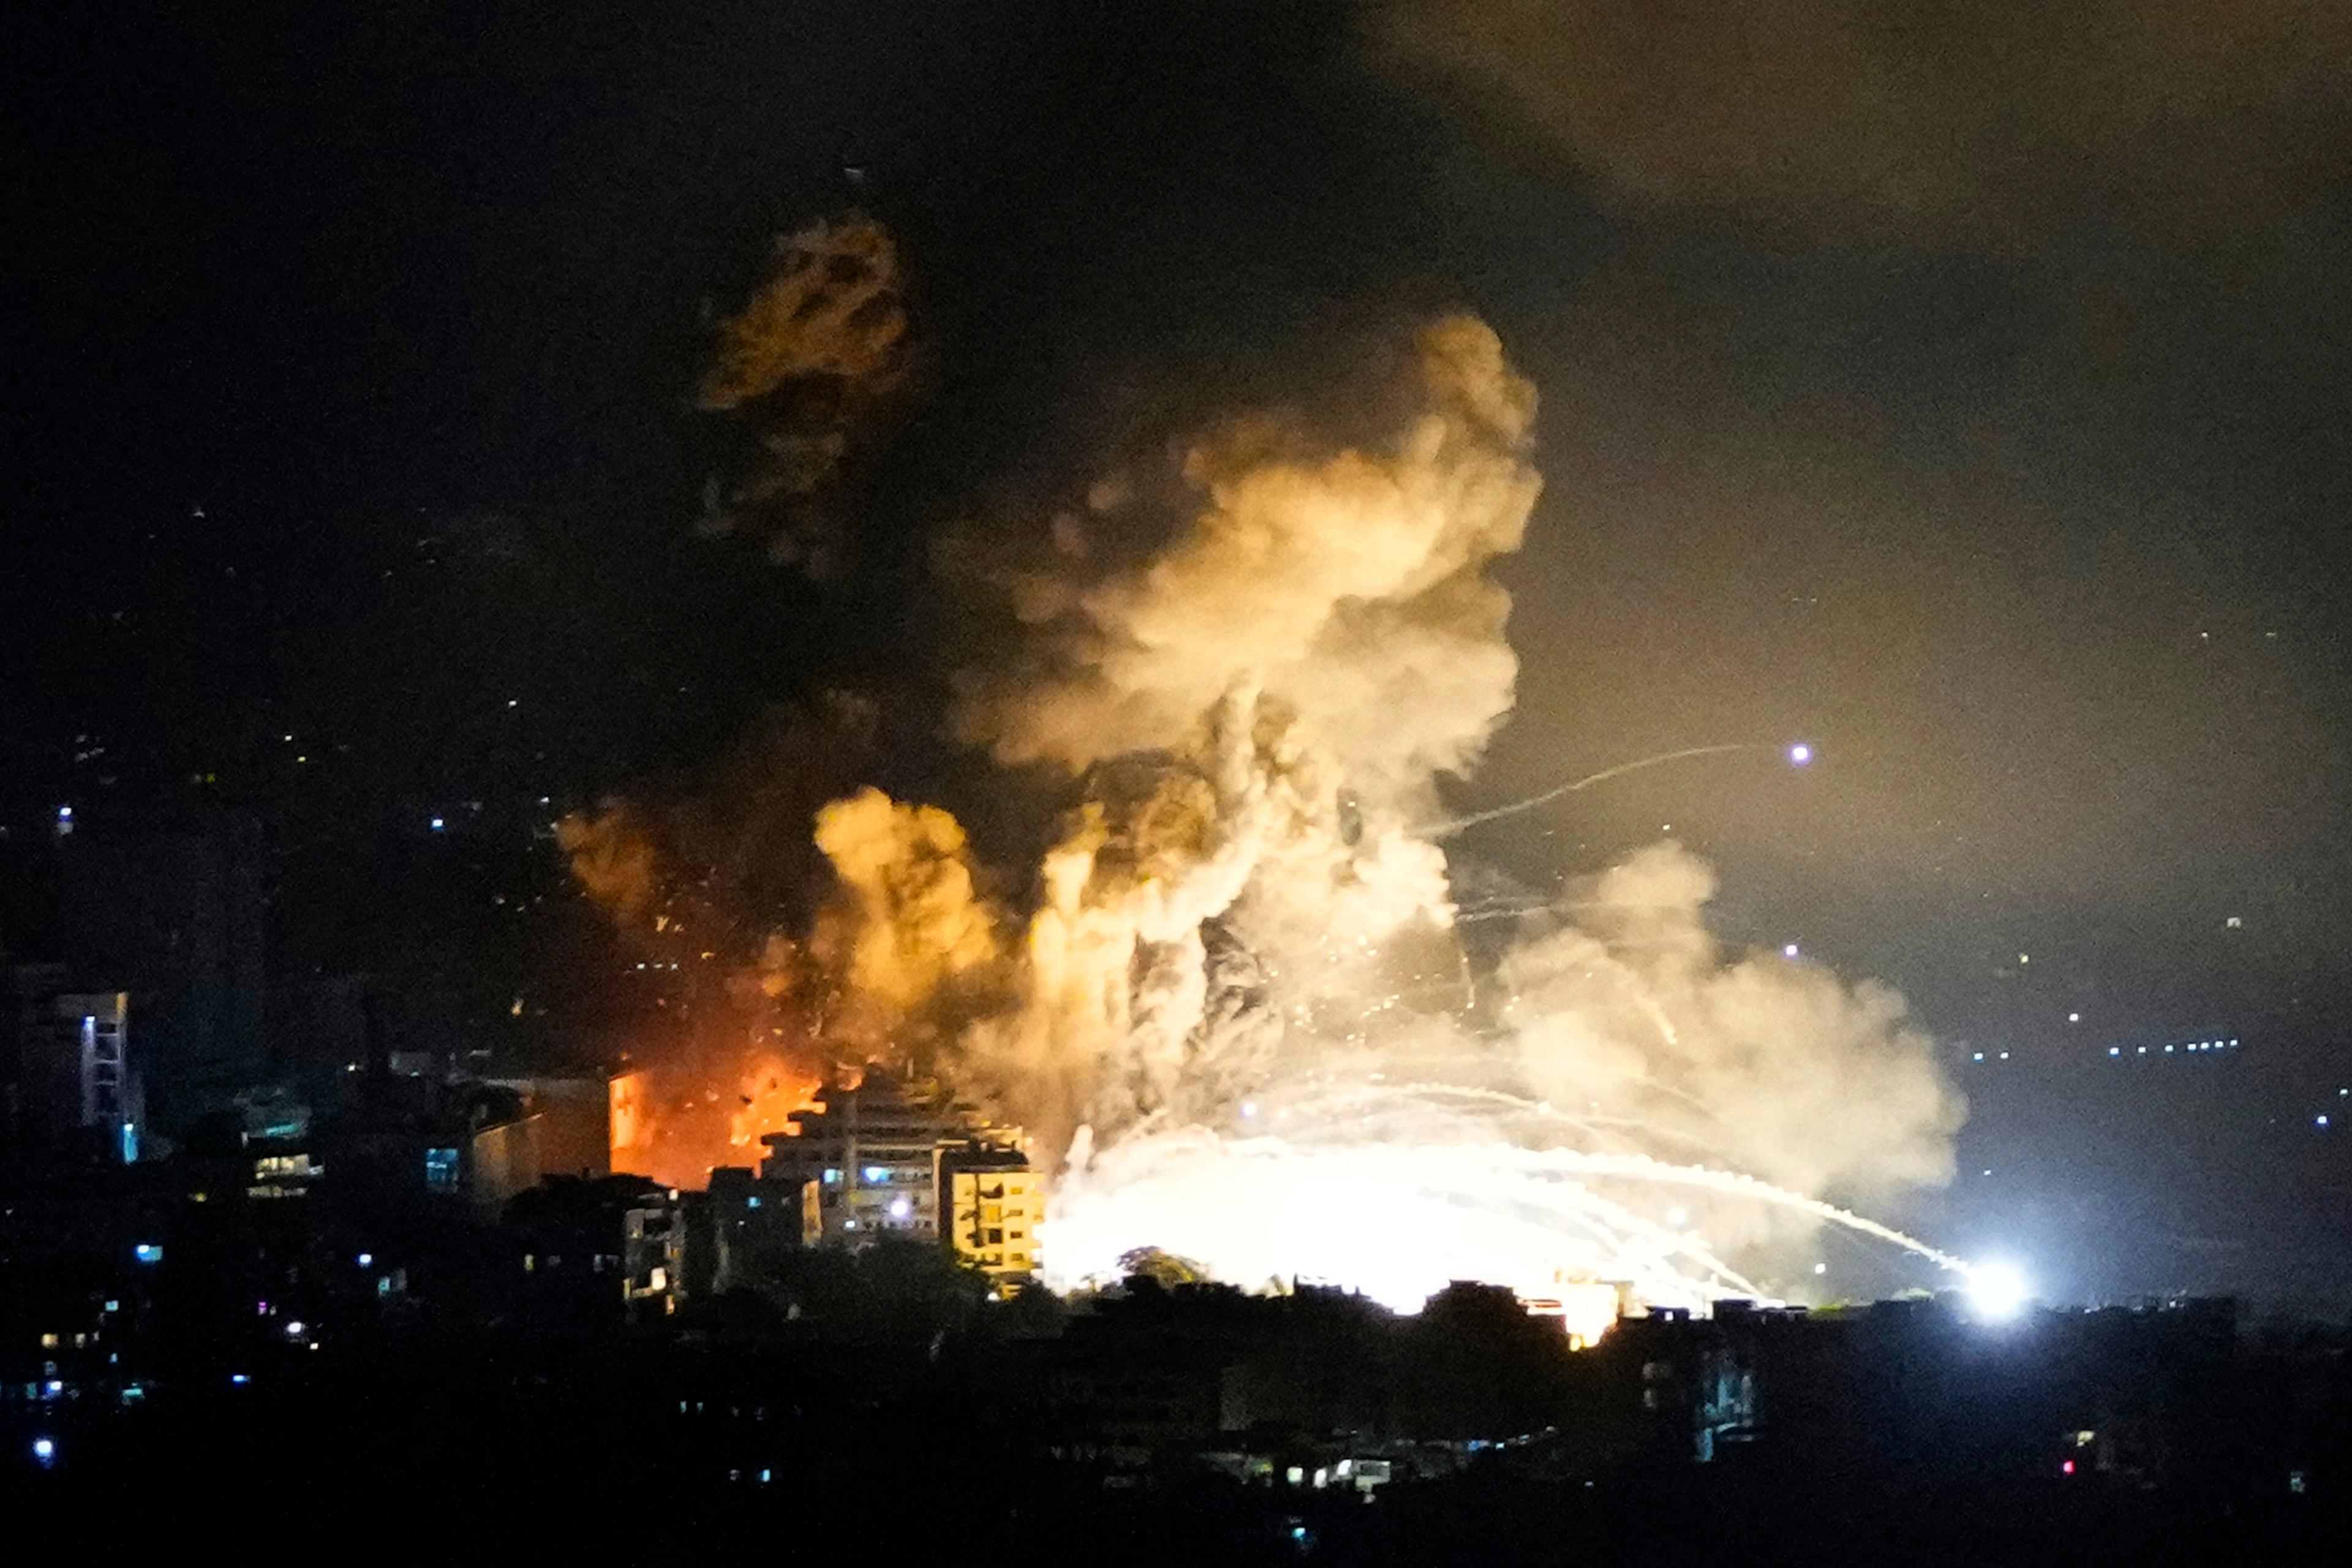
{"x":2066,"y":1468}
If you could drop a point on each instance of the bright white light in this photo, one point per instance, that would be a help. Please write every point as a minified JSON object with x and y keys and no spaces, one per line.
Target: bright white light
{"x":2322,"y":1121}
{"x":1398,"y":1222}
{"x":2073,"y":1017}
{"x":1800,"y":754}
{"x":1996,"y":1291}
{"x":1821,"y":1269}
{"x":2114,"y":1050}
{"x":901,"y":1209}
{"x":437,"y":824}
{"x":366,"y":1259}
{"x":44,"y":1449}
{"x":1789,"y":951}
{"x":294,"y":1329}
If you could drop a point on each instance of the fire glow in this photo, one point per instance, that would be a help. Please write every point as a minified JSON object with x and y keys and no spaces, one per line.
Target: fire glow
{"x":1240,"y":1013}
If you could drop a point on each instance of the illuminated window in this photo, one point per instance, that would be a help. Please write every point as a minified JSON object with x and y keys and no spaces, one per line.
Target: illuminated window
{"x":441,"y":1170}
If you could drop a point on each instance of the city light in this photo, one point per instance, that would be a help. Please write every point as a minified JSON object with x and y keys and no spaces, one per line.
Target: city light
{"x":45,"y":1451}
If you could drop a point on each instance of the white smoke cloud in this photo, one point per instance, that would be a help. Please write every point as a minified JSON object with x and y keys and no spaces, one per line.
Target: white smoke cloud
{"x":1240,"y":915}
{"x":1771,"y":1065}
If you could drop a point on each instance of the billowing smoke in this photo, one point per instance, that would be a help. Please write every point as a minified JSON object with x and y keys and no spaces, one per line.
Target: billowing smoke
{"x":804,"y":374}
{"x":1768,"y":1064}
{"x":909,"y":932}
{"x":1232,"y":994}
{"x":1243,"y":930}
{"x":1257,"y":710}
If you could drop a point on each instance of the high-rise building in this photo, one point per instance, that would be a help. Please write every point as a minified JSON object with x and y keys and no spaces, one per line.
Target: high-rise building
{"x":173,"y":913}
{"x":880,"y":1158}
{"x":74,"y":1091}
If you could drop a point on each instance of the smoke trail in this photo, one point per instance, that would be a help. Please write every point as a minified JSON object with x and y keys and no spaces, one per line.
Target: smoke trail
{"x":1447,"y":829}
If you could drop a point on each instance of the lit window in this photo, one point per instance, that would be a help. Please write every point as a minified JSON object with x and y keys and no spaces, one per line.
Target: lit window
{"x":441,"y":1170}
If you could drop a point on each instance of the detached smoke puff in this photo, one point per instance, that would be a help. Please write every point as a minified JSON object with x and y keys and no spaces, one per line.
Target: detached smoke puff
{"x":806,"y":369}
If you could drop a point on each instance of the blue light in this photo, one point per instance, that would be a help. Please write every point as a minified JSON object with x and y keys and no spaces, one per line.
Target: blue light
{"x":367,"y":1259}
{"x":878,"y":1173}
{"x":753,"y":1201}
{"x":45,"y":1450}
{"x":130,"y":1143}
{"x":437,"y":824}
{"x":148,"y":1252}
{"x":239,"y":1379}
{"x":833,"y":1178}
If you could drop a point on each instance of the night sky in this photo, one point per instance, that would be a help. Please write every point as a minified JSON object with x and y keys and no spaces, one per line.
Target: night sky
{"x":1965,"y":398}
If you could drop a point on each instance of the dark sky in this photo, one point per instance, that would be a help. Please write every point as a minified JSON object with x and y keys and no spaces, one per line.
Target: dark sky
{"x":1966,"y":398}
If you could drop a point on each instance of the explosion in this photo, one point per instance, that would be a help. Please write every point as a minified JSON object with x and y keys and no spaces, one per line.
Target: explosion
{"x":1238,"y":1012}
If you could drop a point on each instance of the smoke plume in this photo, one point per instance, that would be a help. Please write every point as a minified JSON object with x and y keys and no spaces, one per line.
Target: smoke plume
{"x":804,"y":374}
{"x":1242,"y":911}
